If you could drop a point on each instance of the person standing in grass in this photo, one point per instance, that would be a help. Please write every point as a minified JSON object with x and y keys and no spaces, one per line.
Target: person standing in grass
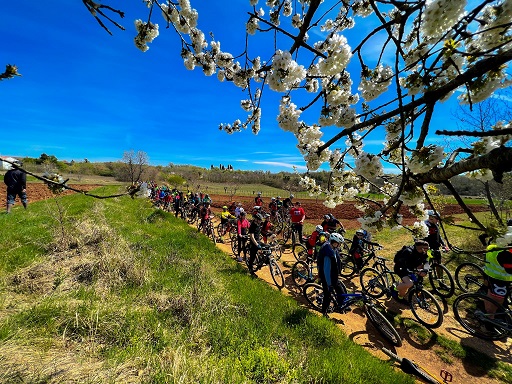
{"x":16,"y":181}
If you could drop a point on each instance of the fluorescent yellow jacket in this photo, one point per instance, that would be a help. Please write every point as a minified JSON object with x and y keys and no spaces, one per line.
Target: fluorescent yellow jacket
{"x":492,"y":267}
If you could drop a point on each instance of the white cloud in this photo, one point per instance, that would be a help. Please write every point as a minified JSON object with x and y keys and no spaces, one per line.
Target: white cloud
{"x":242,"y":160}
{"x":281,"y":164}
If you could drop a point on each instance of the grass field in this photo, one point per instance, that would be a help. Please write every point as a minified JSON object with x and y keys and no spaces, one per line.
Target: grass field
{"x":96,"y":291}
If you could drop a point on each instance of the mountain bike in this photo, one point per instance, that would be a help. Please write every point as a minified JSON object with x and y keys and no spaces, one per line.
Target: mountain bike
{"x":469,"y":310}
{"x":424,"y":306}
{"x":348,"y":265}
{"x":265,"y":256}
{"x":208,"y":229}
{"x":228,"y":227}
{"x":314,"y":295}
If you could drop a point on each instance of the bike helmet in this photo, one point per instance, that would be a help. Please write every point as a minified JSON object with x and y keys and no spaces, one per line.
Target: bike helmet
{"x":327,"y":217}
{"x":432,"y":213}
{"x":267,"y":215}
{"x":360,"y":232}
{"x":291,"y":196}
{"x":319,"y":228}
{"x":278,"y":197}
{"x":225,"y":207}
{"x":336,"y":237}
{"x":259,"y":193}
{"x":258,"y":216}
{"x":272,"y":198}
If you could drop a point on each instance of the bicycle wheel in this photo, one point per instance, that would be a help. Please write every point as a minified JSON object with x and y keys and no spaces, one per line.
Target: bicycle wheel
{"x":383,"y":325}
{"x":211,"y":233}
{"x":192,"y":217}
{"x":314,"y":295}
{"x":301,"y":273}
{"x":469,"y":311}
{"x":299,"y":252}
{"x":425,"y":308}
{"x":277,"y":249}
{"x":470,"y":277}
{"x":286,"y":233}
{"x":276,"y":273}
{"x":221,"y":230}
{"x":348,"y":268}
{"x":372,"y":283}
{"x":441,"y":281}
{"x":234,"y":245}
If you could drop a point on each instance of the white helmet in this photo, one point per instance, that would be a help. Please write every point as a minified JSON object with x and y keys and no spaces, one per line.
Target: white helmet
{"x":291,"y":196}
{"x":336,"y":237}
{"x":319,"y":228}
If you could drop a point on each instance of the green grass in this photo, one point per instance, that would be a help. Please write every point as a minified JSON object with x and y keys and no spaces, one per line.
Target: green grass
{"x":114,"y":291}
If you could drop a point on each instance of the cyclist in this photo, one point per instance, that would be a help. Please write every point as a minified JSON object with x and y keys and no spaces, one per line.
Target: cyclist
{"x":434,"y":239}
{"x":331,"y":224}
{"x":298,"y":216}
{"x":288,"y":203}
{"x":358,"y":246}
{"x":279,"y":202}
{"x":242,"y":225}
{"x":179,"y":201}
{"x":258,"y":200}
{"x":207,"y":199}
{"x":316,"y":239}
{"x":205,"y":214}
{"x":267,"y":228}
{"x":238,"y":209}
{"x":254,"y":239}
{"x":498,"y":269}
{"x":272,"y":207}
{"x":328,"y":269}
{"x":409,"y":259}
{"x":225,"y":215}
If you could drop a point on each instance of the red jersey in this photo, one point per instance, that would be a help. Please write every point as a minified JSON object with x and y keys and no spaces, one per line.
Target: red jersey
{"x":297,"y":214}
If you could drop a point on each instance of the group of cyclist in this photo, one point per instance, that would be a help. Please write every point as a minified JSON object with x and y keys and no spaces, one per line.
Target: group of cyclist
{"x":323,"y":244}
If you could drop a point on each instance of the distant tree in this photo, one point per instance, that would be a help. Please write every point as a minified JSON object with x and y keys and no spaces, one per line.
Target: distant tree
{"x":134,"y":165}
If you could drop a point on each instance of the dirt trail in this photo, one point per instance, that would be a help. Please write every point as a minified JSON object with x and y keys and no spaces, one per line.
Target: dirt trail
{"x":361,"y":331}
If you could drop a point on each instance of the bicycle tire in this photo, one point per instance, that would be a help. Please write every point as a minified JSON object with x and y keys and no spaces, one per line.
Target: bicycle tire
{"x":372,"y":283}
{"x":301,"y":273}
{"x":276,"y":273}
{"x":469,"y":311}
{"x":221,"y":230}
{"x":286,"y":233}
{"x":383,"y":325}
{"x":348,"y":268}
{"x":442,"y":286}
{"x":313,"y":293}
{"x":470,"y":277}
{"x":276,"y":248}
{"x":299,"y":251}
{"x":425,"y":308}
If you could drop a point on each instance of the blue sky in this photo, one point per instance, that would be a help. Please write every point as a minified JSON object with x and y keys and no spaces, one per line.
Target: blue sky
{"x":86,"y":94}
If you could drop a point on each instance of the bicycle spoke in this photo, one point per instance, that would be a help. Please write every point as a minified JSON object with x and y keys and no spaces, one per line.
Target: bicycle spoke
{"x":426,"y":308}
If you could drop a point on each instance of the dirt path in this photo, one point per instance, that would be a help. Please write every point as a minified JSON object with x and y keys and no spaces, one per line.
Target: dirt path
{"x":426,"y":353}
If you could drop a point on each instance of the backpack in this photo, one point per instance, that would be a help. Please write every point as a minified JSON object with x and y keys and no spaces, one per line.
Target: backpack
{"x":402,"y":254}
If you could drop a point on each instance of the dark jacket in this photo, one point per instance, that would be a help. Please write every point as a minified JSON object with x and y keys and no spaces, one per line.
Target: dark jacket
{"x":328,"y":264}
{"x":15,"y":179}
